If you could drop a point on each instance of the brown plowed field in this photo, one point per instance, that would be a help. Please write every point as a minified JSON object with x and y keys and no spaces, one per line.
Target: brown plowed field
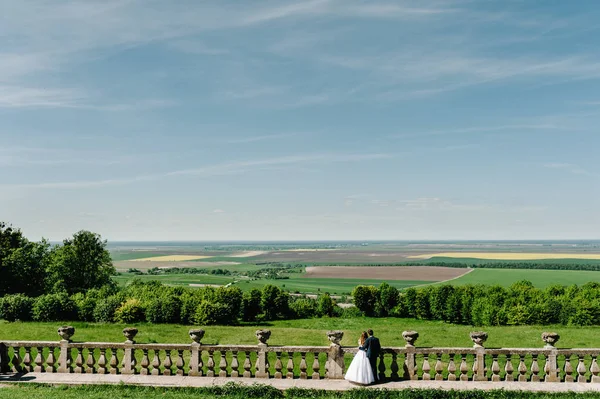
{"x":413,"y":273}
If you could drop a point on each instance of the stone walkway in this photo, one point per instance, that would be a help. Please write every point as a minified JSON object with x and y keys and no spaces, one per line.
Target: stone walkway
{"x":331,"y":385}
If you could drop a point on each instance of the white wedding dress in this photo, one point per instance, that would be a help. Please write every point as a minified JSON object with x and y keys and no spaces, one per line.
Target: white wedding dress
{"x":360,"y":371}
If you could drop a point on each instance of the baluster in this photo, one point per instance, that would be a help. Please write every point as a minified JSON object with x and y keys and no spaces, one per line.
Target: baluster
{"x":509,"y":369}
{"x":247,"y":366}
{"x":595,"y":370}
{"x":156,"y":363}
{"x":439,"y":368}
{"x":535,"y":369}
{"x":235,"y":365}
{"x":114,"y":361}
{"x":27,"y":361}
{"x":451,"y":368}
{"x":278,"y":366}
{"x":316,"y":368}
{"x":426,"y":368}
{"x":180,"y":363}
{"x":474,"y":368}
{"x":16,"y":360}
{"x":39,"y":360}
{"x":145,"y":363}
{"x":91,"y":362}
{"x":102,"y":362}
{"x":79,"y":361}
{"x":464,"y":369}
{"x":200,"y":363}
{"x":303,"y":366}
{"x":394,"y":367}
{"x":211,"y":364}
{"x":167,"y":363}
{"x":522,"y":369}
{"x":223,"y":364}
{"x":290,"y":365}
{"x":50,"y":361}
{"x":581,"y":369}
{"x":381,"y":367}
{"x":495,"y":369}
{"x":568,"y":369}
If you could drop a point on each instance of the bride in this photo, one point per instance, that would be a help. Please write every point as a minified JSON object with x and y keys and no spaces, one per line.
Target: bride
{"x":360,"y":371}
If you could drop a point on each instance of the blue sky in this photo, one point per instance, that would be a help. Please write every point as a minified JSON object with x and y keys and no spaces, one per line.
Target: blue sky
{"x":300,"y":120}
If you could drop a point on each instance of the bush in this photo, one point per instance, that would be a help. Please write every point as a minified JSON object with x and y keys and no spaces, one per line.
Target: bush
{"x":165,"y":309}
{"x":54,"y":307}
{"x":351,"y":312}
{"x":209,"y":313}
{"x":130,"y":311}
{"x":303,"y":308}
{"x":325,"y":306}
{"x":17,"y":307}
{"x":251,"y":305}
{"x":104,"y":312}
{"x":84,"y":306}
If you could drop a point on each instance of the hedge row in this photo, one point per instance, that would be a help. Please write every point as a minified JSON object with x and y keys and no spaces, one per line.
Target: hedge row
{"x":481,"y":305}
{"x":156,"y":303}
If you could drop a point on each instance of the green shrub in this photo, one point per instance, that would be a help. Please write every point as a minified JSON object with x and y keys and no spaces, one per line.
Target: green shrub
{"x":352,"y":312}
{"x":104,"y":312}
{"x":130,"y":311}
{"x":17,"y":307}
{"x":54,"y":307}
{"x":209,"y":313}
{"x":166,"y":309}
{"x":303,"y":308}
{"x":84,"y":306}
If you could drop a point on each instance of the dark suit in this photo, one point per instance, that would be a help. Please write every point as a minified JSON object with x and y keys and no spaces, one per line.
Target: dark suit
{"x":373,"y":347}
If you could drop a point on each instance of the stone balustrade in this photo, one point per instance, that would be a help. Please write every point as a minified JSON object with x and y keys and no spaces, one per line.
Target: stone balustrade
{"x":409,"y":362}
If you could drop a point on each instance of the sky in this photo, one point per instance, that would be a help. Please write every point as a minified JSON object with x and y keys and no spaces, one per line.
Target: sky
{"x":300,"y":120}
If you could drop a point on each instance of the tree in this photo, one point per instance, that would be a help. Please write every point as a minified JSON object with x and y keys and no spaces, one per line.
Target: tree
{"x":81,"y":263}
{"x":325,"y":305}
{"x":251,"y":305}
{"x":366,"y":298}
{"x":274,"y":302}
{"x":389,"y":297}
{"x":22,"y":263}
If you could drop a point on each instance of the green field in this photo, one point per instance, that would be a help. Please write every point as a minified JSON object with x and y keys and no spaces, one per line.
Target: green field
{"x":312,"y":332}
{"x":33,"y":391}
{"x":295,"y":283}
{"x":539,"y":278}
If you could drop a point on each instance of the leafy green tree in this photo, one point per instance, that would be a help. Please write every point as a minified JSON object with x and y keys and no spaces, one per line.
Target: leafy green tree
{"x":366,"y":299}
{"x":251,"y":305}
{"x":274,"y":302}
{"x":389,"y":297}
{"x":22,"y":263}
{"x":80,"y":263}
{"x":325,"y":305}
{"x":303,"y":308}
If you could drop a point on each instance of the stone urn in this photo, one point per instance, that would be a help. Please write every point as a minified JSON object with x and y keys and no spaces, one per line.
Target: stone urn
{"x":550,"y":338}
{"x":197,"y":335}
{"x":478,"y":338}
{"x":66,"y":332}
{"x":263,"y":336}
{"x":130,"y":333}
{"x":335,"y":336}
{"x":410,"y":337}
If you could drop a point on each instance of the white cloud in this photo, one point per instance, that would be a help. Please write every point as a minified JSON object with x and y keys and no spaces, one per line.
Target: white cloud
{"x":218,"y":211}
{"x":253,"y":139}
{"x":569,"y":167}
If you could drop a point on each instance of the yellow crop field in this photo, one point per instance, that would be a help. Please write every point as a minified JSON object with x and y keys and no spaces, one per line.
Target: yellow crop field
{"x":507,"y":255}
{"x":171,"y":258}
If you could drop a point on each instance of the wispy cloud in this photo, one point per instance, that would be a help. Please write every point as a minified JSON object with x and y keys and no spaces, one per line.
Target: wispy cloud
{"x":253,"y":139}
{"x":212,"y":170}
{"x":568,"y":167}
{"x":478,"y":129}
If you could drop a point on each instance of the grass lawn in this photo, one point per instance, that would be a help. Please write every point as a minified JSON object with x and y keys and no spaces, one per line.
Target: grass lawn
{"x":311,"y":332}
{"x":295,"y":283}
{"x":539,"y":278}
{"x":24,"y":391}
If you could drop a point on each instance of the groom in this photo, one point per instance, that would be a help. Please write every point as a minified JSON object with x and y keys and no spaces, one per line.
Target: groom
{"x":372,"y":347}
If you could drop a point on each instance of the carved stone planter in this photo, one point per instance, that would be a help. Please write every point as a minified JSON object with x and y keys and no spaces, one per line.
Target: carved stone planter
{"x":66,"y":332}
{"x":550,"y":338}
{"x":335,"y":336}
{"x":479,"y":338}
{"x":410,"y":337}
{"x":130,"y":333}
{"x":263,"y":336}
{"x":196,"y":335}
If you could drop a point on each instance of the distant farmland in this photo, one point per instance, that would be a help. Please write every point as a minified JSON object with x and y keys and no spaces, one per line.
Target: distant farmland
{"x":539,"y":278}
